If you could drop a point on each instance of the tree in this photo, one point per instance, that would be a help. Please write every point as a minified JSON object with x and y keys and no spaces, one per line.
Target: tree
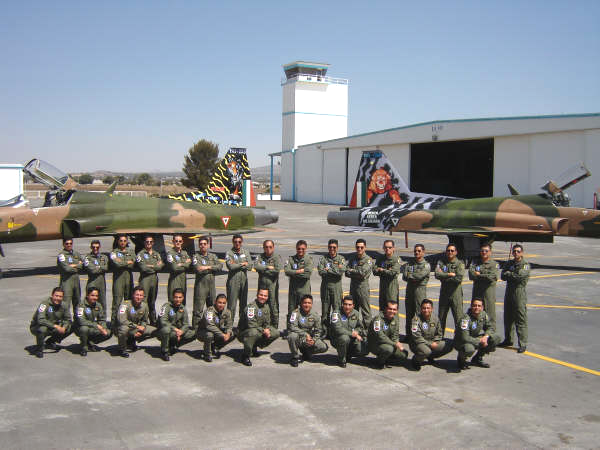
{"x":200,"y":163}
{"x":109,"y":179}
{"x":144,"y":178}
{"x":86,"y":178}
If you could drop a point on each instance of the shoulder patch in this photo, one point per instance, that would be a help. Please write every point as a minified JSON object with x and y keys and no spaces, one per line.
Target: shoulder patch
{"x":163,"y":309}
{"x":113,"y":256}
{"x":122,"y":309}
{"x":209,"y":315}
{"x":251,"y":312}
{"x":170,"y":258}
{"x":377,"y":325}
{"x":464,"y":324}
{"x":61,"y":257}
{"x":79,"y":312}
{"x":42,"y":308}
{"x":334,"y":317}
{"x":139,"y":258}
{"x":86,"y":262}
{"x":293,"y":317}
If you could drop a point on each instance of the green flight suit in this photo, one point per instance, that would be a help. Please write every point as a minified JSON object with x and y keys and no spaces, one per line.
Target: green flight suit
{"x":149,"y":265}
{"x":300,"y":326}
{"x":388,"y":279}
{"x":382,"y":338}
{"x":340,"y":332}
{"x":423,"y":334}
{"x":213,"y":327}
{"x":122,"y":262}
{"x":268,"y":269}
{"x":469,"y":332}
{"x":516,"y":275}
{"x":96,"y":267}
{"x":87,"y":319}
{"x":299,"y":282}
{"x":69,"y":277}
{"x":359,"y":270}
{"x":484,"y":284}
{"x":258,"y":318}
{"x":205,"y":290}
{"x":169,"y":318}
{"x":331,"y":271}
{"x":416,"y":275}
{"x":451,"y":293}
{"x":128,"y":318}
{"x":177,"y":265}
{"x":237,"y":282}
{"x":45,"y":317}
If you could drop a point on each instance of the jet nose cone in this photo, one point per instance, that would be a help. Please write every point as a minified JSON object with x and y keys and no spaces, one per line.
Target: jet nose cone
{"x":264,"y":216}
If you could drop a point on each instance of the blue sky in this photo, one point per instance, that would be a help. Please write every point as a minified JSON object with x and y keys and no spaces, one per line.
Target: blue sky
{"x":131,"y":85}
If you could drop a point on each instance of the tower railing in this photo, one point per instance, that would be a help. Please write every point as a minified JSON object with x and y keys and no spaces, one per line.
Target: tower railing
{"x":314,"y":79}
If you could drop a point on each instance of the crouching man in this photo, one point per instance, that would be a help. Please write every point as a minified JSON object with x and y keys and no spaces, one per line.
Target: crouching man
{"x":91,"y":323}
{"x":257,"y":331}
{"x":132,"y":322}
{"x":476,"y":332}
{"x":347,"y":333}
{"x":216,"y":328}
{"x":51,"y":318}
{"x":426,"y":339}
{"x":304,"y":332}
{"x":384,"y":337}
{"x":174,"y":323}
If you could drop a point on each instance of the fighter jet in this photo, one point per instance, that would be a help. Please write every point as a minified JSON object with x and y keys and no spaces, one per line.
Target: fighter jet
{"x":231,"y":183}
{"x":68,"y":212}
{"x":381,"y":200}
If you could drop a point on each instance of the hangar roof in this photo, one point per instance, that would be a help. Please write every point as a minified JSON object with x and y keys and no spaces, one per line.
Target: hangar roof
{"x":444,"y":130}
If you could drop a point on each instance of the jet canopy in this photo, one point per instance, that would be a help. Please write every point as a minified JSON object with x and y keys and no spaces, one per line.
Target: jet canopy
{"x":49,"y":175}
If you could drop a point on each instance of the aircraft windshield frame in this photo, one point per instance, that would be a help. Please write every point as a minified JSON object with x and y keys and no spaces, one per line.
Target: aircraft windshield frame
{"x":46,"y":173}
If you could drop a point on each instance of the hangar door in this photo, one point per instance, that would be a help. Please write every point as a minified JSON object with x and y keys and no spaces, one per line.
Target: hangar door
{"x":456,"y":168}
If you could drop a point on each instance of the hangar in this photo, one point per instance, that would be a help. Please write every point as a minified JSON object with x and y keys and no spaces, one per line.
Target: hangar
{"x":463,"y":158}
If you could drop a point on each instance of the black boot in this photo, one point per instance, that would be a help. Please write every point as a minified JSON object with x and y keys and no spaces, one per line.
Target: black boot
{"x":477,"y":360}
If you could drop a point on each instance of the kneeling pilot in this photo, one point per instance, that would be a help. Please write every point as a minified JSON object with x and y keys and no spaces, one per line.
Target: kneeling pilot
{"x":90,"y":322}
{"x":174,"y":323}
{"x":216,"y":328}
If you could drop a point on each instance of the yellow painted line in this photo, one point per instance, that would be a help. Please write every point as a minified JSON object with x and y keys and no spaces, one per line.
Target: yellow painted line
{"x":535,"y":355}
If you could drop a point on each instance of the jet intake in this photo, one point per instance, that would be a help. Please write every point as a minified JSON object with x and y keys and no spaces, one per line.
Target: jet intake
{"x":560,"y":226}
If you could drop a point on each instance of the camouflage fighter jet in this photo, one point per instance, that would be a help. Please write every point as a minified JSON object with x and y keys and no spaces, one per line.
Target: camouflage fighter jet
{"x":68,"y":212}
{"x":231,"y":183}
{"x":381,"y":200}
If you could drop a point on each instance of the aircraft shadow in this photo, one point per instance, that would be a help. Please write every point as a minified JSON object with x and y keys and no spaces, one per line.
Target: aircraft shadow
{"x":559,"y":267}
{"x":27,"y":272}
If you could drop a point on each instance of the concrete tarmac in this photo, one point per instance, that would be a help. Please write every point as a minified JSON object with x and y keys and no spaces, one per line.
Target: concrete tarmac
{"x":547,"y":397}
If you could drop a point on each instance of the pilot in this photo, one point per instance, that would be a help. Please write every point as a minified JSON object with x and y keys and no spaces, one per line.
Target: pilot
{"x":359,"y":270}
{"x":178,"y":262}
{"x":51,"y":318}
{"x":206,"y":266}
{"x":516,"y":275}
{"x":216,"y":328}
{"x":257,"y":331}
{"x":69,"y":264}
{"x":484,"y":273}
{"x":268,"y":266}
{"x":174,"y":326}
{"x":347,"y":333}
{"x":304,"y":332}
{"x":416,"y":275}
{"x":450,"y":271}
{"x":149,"y":262}
{"x":298,"y":268}
{"x":238,"y":262}
{"x":384,"y":337}
{"x":132,"y":322}
{"x":331,"y":268}
{"x":387,"y":269}
{"x":122,"y":260}
{"x":96,"y":266}
{"x":476,"y":331}
{"x":90,"y":322}
{"x":427,"y":336}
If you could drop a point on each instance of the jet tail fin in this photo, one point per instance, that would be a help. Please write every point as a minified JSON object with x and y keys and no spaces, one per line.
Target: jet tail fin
{"x":377,"y":182}
{"x":512,"y":190}
{"x":111,"y":189}
{"x":231,"y":183}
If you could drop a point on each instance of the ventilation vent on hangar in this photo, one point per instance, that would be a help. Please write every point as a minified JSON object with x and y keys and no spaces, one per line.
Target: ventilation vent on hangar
{"x":456,"y":168}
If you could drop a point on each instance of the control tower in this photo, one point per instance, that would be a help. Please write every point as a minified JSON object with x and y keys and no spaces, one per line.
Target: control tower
{"x":315,"y":106}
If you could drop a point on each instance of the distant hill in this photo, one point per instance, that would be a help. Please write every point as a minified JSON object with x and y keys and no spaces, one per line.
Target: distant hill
{"x":263,"y":174}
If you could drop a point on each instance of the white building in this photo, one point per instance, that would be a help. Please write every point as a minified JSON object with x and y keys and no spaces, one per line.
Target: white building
{"x":464,"y":158}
